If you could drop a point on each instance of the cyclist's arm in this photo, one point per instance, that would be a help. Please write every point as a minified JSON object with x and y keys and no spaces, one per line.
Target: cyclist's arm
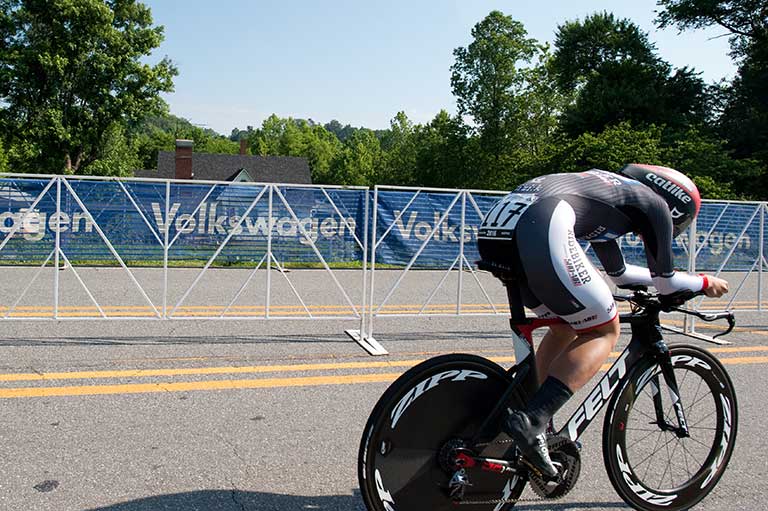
{"x":621,"y":273}
{"x":656,"y":233}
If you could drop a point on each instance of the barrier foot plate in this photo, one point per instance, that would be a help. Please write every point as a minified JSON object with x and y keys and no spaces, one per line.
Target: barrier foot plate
{"x":695,"y":335}
{"x":369,"y":344}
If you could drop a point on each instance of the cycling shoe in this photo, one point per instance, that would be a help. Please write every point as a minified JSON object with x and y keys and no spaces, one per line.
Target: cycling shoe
{"x":532,"y":445}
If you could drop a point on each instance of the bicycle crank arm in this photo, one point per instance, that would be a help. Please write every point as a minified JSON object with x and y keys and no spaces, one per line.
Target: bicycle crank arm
{"x":468,"y":460}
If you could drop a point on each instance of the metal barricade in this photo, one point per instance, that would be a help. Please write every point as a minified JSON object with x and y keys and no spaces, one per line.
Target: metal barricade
{"x":174,"y":249}
{"x":432,"y":232}
{"x":729,"y":240}
{"x":179,"y":250}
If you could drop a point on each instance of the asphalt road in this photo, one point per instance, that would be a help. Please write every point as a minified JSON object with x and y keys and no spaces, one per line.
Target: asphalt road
{"x":205,"y":415}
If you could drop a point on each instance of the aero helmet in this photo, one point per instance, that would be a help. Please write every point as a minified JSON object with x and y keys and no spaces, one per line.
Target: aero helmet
{"x":677,"y":190}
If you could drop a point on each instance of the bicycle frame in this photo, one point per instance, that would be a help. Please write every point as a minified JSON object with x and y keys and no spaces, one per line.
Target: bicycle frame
{"x":647,"y":340}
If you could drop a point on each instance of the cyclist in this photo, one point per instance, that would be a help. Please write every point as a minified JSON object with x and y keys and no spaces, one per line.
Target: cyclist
{"x":536,"y":229}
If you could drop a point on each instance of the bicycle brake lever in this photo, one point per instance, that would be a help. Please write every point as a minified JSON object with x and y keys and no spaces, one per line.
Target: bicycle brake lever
{"x":731,"y":325}
{"x":710,"y":317}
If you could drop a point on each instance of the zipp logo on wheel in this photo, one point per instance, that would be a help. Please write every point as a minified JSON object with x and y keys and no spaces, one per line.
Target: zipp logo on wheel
{"x":429,"y":384}
{"x":645,"y":494}
{"x":386,"y":498}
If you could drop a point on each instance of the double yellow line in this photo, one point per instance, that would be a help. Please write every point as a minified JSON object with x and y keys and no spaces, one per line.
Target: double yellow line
{"x":258,"y":383}
{"x":144,"y":311}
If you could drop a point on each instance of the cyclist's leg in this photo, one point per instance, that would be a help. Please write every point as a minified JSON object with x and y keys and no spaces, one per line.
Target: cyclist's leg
{"x":584,"y":356}
{"x":567,"y":285}
{"x":565,"y":282}
{"x":555,"y":341}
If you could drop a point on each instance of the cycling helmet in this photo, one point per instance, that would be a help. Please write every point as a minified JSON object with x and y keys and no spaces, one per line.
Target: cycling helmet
{"x":677,"y":190}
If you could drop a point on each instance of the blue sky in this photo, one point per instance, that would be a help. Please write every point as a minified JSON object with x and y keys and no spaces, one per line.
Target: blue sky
{"x":361,"y":61}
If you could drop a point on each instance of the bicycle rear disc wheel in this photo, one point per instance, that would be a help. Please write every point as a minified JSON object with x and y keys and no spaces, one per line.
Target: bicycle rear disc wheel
{"x":442,"y":400}
{"x":650,"y":467}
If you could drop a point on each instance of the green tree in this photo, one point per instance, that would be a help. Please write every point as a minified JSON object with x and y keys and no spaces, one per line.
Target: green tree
{"x":617,"y":75}
{"x":487,"y":79}
{"x":745,"y":20}
{"x":401,"y":153}
{"x":298,"y":137}
{"x":3,"y":159}
{"x":744,"y":120}
{"x":584,"y":47}
{"x":709,"y":162}
{"x":72,"y":69}
{"x":610,"y":149}
{"x":218,"y":145}
{"x":360,"y":162}
{"x":442,"y":153}
{"x":342,"y":132}
{"x":116,"y":156}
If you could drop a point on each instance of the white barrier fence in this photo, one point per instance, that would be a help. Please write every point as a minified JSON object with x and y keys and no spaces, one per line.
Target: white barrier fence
{"x":144,"y":234}
{"x":414,"y":258}
{"x":733,"y":230}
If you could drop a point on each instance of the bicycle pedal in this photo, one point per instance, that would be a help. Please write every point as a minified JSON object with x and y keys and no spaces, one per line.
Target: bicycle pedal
{"x":557,"y":479}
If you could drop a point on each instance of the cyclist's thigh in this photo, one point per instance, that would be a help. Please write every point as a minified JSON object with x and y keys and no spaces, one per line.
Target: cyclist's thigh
{"x":557,"y":270}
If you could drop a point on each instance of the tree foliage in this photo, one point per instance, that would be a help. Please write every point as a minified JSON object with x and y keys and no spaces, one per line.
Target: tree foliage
{"x":70,"y":70}
{"x":76,"y":96}
{"x":744,"y":120}
{"x":618,"y":76}
{"x":487,"y":78}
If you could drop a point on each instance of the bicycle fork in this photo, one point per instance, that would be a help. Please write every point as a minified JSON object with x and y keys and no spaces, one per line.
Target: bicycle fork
{"x":664,"y":359}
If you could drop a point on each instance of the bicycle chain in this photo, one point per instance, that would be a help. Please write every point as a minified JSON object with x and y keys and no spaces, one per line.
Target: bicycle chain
{"x":510,"y":501}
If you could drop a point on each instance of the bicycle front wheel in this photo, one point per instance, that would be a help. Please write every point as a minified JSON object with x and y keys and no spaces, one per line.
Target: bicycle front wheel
{"x":432,"y":406}
{"x":649,"y":465}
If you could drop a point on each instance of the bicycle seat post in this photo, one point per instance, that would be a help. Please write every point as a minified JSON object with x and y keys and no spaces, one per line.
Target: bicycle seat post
{"x":516,"y":309}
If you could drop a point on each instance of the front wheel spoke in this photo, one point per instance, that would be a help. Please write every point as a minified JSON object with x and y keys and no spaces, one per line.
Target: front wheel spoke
{"x":635,"y":443}
{"x":680,"y":386}
{"x":685,"y":458}
{"x":657,"y":449}
{"x":710,"y":414}
{"x":696,"y":402}
{"x":696,"y":399}
{"x":669,"y":465}
{"x":699,"y":442}
{"x":672,"y":457}
{"x":658,"y":439}
{"x":653,"y":419}
{"x":690,"y":453}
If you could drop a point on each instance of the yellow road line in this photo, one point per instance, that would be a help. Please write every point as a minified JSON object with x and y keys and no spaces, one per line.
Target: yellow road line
{"x":285,"y":310}
{"x":307,"y":381}
{"x":203,"y":371}
{"x":144,"y":388}
{"x":200,"y":371}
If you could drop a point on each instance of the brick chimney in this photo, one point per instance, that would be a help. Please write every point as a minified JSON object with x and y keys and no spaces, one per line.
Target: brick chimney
{"x":184,"y":159}
{"x":243,"y":146}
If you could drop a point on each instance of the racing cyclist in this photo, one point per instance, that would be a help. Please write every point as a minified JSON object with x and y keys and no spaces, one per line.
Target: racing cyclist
{"x":536,"y":229}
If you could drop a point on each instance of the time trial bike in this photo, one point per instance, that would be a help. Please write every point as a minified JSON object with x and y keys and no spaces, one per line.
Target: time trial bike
{"x":434,"y":439}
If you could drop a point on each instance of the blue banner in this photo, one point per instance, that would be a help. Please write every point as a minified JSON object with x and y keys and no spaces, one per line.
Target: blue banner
{"x":728,"y":234}
{"x":99,"y":221}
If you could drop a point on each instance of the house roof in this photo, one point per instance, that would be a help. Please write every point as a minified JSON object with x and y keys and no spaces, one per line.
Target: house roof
{"x":226,"y":167}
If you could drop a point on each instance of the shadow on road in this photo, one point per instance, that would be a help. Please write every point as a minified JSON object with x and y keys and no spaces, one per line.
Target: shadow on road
{"x":235,"y":339}
{"x":574,"y":506}
{"x":236,"y":500}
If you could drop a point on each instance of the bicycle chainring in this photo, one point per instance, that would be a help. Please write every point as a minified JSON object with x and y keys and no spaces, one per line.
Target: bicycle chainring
{"x":566,"y":457}
{"x":447,"y":455}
